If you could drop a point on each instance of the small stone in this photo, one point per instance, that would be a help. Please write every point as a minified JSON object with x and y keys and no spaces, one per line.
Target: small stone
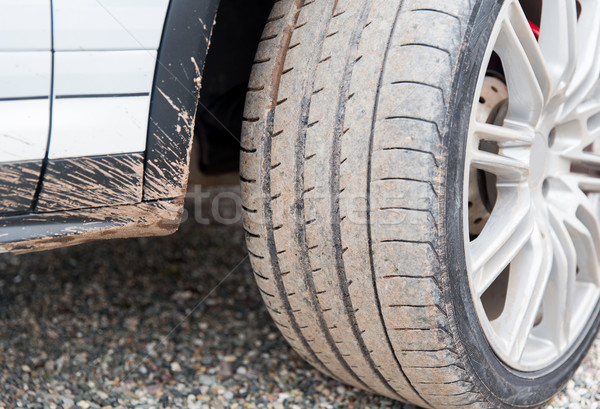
{"x":68,"y":403}
{"x":52,"y":334}
{"x":206,"y":380}
{"x":25,"y":368}
{"x":131,"y":323}
{"x":175,"y":367}
{"x":225,"y":369}
{"x":49,"y":366}
{"x":84,"y":404}
{"x":230,"y":358}
{"x":241,"y":370}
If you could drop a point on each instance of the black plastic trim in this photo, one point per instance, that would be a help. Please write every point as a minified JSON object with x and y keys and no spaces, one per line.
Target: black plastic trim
{"x":181,"y":57}
{"x":35,"y":232}
{"x":18,"y":181}
{"x":33,"y":98}
{"x":93,"y":181}
{"x":131,"y":94}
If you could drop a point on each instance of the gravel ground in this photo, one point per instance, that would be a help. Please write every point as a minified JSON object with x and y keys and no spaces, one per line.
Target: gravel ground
{"x":161,"y":322}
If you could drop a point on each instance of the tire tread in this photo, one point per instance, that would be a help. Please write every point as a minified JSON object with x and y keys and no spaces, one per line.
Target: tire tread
{"x":345,"y":60}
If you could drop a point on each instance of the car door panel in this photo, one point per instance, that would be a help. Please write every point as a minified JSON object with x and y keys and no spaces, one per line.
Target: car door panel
{"x":24,"y":129}
{"x":108,"y":24}
{"x":103,"y":73}
{"x":101,"y":102}
{"x":25,"y":25}
{"x":98,"y":126}
{"x":25,"y":84}
{"x":25,"y":74}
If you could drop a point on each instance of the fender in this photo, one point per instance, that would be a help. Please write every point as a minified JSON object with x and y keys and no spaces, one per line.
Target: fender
{"x":174,"y":103}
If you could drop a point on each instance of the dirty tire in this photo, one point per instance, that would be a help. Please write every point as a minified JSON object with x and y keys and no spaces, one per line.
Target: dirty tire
{"x":351,"y":166}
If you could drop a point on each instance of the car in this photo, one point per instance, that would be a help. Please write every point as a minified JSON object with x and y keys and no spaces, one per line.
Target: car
{"x":420,"y":179}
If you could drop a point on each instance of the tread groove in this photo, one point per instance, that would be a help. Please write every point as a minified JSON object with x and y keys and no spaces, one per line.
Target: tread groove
{"x":411,"y":209}
{"x":414,"y":118}
{"x":427,"y":46}
{"x":301,"y":190}
{"x":437,"y":11}
{"x":368,"y":213}
{"x":399,"y":148}
{"x":423,"y":84}
{"x":266,"y":185}
{"x":410,"y":180}
{"x":335,"y":191}
{"x":429,"y":243}
{"x":262,"y":277}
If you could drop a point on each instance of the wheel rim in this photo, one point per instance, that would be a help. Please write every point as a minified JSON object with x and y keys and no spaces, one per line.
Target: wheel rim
{"x":533,"y":263}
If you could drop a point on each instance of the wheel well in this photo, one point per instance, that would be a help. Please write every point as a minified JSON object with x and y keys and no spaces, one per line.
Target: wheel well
{"x":532,"y":9}
{"x":236,"y":34}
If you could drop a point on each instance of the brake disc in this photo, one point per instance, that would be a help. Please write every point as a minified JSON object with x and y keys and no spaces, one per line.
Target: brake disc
{"x":491,"y":109}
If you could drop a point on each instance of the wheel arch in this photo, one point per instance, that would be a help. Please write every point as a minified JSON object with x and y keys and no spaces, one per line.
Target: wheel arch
{"x":177,"y":82}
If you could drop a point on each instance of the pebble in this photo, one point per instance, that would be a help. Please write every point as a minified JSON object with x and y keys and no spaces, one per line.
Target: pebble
{"x":207,"y":380}
{"x":119,"y":324}
{"x":230,"y":358}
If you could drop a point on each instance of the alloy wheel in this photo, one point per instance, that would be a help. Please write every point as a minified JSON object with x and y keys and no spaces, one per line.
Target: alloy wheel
{"x":533,"y":183}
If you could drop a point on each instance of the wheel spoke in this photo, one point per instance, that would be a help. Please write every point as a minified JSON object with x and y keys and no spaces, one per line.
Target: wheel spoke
{"x":524,"y":66}
{"x":584,"y":112}
{"x":527,"y":286}
{"x":587,"y":71}
{"x":584,"y":117}
{"x":584,"y":158}
{"x":589,"y":184}
{"x":502,"y":134}
{"x":506,"y":232}
{"x":561,"y":287}
{"x":558,"y":34}
{"x":580,"y":220}
{"x":507,"y":169}
{"x":586,"y":244}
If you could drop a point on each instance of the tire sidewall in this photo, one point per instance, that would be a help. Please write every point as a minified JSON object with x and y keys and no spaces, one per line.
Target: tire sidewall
{"x":503,"y":386}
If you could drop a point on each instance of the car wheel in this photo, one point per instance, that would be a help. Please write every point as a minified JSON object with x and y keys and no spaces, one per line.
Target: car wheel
{"x":421,"y":193}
